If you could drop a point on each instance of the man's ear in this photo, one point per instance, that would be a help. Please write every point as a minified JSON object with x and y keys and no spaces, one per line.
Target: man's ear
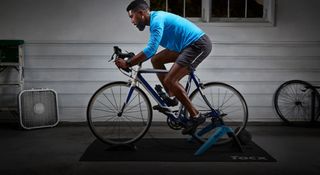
{"x":141,"y":12}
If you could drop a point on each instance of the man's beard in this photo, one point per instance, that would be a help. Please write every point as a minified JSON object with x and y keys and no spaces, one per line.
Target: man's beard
{"x":141,"y":26}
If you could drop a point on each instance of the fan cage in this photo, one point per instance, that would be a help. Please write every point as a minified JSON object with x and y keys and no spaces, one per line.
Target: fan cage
{"x":38,"y":108}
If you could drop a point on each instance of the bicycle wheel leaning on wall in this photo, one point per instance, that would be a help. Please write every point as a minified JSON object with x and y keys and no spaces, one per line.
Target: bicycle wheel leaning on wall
{"x":297,"y":101}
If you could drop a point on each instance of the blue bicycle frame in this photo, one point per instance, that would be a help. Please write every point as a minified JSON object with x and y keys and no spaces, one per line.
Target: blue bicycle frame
{"x":180,"y":117}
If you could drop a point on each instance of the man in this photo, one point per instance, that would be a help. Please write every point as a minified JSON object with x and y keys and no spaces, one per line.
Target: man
{"x":185,"y":45}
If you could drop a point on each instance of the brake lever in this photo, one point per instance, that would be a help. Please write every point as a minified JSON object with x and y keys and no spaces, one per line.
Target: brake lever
{"x":112,"y":57}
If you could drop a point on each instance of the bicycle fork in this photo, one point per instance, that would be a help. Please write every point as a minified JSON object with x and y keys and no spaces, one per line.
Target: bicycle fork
{"x":132,"y":87}
{"x":127,"y":101}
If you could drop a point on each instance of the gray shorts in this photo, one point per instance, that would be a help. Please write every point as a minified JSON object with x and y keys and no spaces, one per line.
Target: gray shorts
{"x":195,"y":53}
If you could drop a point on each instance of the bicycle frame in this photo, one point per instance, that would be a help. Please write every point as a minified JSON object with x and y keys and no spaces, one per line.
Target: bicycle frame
{"x":137,"y":76}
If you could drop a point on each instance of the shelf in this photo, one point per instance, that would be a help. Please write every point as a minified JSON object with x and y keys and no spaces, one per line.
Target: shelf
{"x":11,"y":57}
{"x":9,"y":108}
{"x":9,"y":64}
{"x":10,"y":84}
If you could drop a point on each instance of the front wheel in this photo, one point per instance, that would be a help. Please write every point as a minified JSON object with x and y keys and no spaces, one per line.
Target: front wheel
{"x":227,"y":101}
{"x":111,"y":122}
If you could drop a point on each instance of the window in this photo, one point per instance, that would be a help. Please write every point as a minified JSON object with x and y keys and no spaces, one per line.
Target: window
{"x":217,"y":11}
{"x":185,"y":8}
{"x":237,"y":10}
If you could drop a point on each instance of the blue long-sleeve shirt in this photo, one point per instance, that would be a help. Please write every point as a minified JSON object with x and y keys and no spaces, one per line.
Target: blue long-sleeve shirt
{"x":170,"y":31}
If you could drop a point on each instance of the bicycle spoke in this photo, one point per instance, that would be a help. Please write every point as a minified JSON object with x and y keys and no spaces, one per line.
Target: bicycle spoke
{"x":202,"y":107}
{"x":224,"y":97}
{"x":218,"y":98}
{"x":290,"y":93}
{"x":131,"y":128}
{"x":132,"y":99}
{"x":234,"y":110}
{"x":292,"y":90}
{"x":132,"y":107}
{"x":286,"y":94}
{"x":208,"y":110}
{"x":112,"y":126}
{"x":115,"y":102}
{"x":109,"y":102}
{"x":211,"y":98}
{"x":97,"y":109}
{"x":229,"y":119}
{"x":228,"y":106}
{"x":306,"y":93}
{"x":120,"y":96}
{"x":227,"y":100}
{"x":104,"y":116}
{"x":136,"y":111}
{"x":131,"y":116}
{"x":285,"y":101}
{"x":306,"y":113}
{"x":286,"y":97}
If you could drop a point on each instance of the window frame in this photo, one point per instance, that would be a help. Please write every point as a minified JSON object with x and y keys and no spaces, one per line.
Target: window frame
{"x":267,"y":20}
{"x":206,"y":18}
{"x":193,"y":19}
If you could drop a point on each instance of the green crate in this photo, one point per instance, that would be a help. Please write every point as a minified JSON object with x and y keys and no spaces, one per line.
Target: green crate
{"x":9,"y":51}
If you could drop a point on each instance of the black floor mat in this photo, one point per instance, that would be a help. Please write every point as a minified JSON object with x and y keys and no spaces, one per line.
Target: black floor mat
{"x":176,"y":150}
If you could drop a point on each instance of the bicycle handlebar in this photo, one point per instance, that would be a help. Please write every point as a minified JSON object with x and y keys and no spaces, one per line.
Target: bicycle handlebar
{"x":119,"y":54}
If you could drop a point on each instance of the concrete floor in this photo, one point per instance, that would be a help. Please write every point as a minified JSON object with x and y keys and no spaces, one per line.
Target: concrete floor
{"x":58,"y":150}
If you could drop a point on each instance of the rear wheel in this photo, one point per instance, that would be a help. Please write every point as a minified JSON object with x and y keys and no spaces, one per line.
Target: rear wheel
{"x":227,"y":101}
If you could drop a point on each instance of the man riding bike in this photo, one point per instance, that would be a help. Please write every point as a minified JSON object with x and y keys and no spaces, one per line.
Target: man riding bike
{"x":186,"y":45}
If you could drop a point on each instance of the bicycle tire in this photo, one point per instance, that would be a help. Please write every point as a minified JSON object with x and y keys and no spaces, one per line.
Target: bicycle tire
{"x":293,"y":102}
{"x":233,"y":106}
{"x":104,"y":121}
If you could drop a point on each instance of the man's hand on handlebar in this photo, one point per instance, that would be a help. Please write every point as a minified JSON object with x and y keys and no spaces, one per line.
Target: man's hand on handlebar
{"x":132,"y":59}
{"x":121,"y":63}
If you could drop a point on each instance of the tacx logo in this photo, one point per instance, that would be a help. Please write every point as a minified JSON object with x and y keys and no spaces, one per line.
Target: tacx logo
{"x":244,"y":158}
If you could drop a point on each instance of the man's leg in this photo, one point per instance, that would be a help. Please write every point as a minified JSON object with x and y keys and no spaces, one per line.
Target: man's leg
{"x":176,"y":73}
{"x":158,"y":62}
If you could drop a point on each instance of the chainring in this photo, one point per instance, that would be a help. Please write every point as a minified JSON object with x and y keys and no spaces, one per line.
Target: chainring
{"x":173,"y":124}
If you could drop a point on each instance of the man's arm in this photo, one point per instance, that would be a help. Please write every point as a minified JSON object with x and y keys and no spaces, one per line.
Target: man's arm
{"x":140,"y":57}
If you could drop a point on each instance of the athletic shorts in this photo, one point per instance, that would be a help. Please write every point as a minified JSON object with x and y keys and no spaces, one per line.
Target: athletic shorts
{"x":195,"y":53}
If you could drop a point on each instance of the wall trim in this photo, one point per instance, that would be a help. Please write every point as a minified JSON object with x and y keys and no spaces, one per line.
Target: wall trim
{"x":53,"y":42}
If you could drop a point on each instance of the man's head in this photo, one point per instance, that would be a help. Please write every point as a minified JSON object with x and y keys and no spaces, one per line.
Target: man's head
{"x":138,"y":11}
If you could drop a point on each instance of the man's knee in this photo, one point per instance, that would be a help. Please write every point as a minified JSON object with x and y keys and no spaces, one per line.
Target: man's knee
{"x":154,"y":61}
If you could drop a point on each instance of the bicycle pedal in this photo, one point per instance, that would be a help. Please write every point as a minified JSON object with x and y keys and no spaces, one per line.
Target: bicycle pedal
{"x":161,"y":109}
{"x":223,"y":115}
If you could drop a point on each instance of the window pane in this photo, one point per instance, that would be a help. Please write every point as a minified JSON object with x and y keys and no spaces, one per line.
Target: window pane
{"x":176,"y":7}
{"x":237,"y":8}
{"x":158,"y":5}
{"x":255,"y":9}
{"x":193,"y":8}
{"x":219,"y":8}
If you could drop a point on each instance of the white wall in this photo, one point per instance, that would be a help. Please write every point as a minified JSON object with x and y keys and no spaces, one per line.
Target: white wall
{"x":67,"y":42}
{"x":97,"y":21}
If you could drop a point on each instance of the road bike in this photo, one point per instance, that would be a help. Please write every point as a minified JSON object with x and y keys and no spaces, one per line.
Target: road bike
{"x":120,"y":112}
